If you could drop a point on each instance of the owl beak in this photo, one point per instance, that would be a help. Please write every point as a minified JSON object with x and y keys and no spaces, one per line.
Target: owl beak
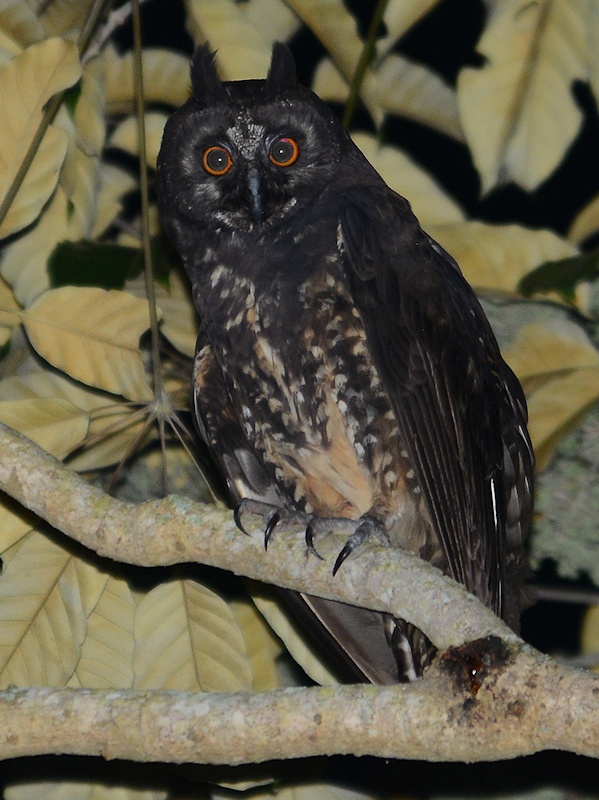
{"x":255,"y":199}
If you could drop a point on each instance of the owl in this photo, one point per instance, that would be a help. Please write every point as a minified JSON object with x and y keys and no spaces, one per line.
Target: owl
{"x":345,"y":372}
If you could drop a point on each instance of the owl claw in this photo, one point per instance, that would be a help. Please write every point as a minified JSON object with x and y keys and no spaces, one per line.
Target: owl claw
{"x":368,"y":528}
{"x":270,"y":528}
{"x":310,"y":539}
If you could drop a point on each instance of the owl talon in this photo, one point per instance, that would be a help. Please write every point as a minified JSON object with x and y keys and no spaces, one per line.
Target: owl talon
{"x":270,"y":528}
{"x":368,"y":528}
{"x":310,"y":540}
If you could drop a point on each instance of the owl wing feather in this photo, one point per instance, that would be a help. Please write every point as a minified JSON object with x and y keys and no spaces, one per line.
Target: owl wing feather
{"x":455,"y":399}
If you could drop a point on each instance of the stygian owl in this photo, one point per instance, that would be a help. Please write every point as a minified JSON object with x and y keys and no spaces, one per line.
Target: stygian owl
{"x":344,"y":367}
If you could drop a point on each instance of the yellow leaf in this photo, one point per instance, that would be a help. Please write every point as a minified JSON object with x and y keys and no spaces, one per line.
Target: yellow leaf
{"x":187,"y":639}
{"x":80,"y":175}
{"x":242,"y":33}
{"x":114,"y":184}
{"x":92,"y":335}
{"x":8,"y":320}
{"x":294,"y":639}
{"x":586,"y":222}
{"x":42,"y":620}
{"x":498,"y":256}
{"x":261,"y":644}
{"x":397,"y":86}
{"x":165,"y":74}
{"x":337,"y":30}
{"x":55,"y":424}
{"x":107,"y":651}
{"x":78,"y":791}
{"x":559,"y":368}
{"x":431,"y":204}
{"x":19,"y":26}
{"x":113,"y":425}
{"x":24,"y":260}
{"x":125,"y":135}
{"x":399,"y":17}
{"x":518,"y":110}
{"x":590,"y":632}
{"x":65,"y":17}
{"x":180,"y":323}
{"x":27,"y":82}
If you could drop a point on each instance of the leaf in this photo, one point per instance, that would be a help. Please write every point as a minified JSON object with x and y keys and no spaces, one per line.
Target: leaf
{"x":92,"y":335}
{"x":299,"y":647}
{"x":522,"y":96}
{"x":399,"y":17}
{"x":114,"y":184}
{"x":125,"y":136}
{"x":261,"y":645}
{"x":165,"y":74}
{"x":80,"y":175}
{"x":559,"y":368}
{"x":431,"y":204}
{"x":107,"y":651}
{"x":65,"y":18}
{"x":590,"y":633}
{"x":86,"y":263}
{"x":19,"y":26}
{"x":43,"y":594}
{"x":55,"y":424}
{"x":78,"y":791}
{"x":586,"y":222}
{"x":241,"y":33}
{"x":398,"y":86}
{"x":307,"y":791}
{"x":24,"y":260}
{"x":561,"y":276}
{"x":113,"y":425}
{"x":180,"y":323}
{"x":8,"y":320}
{"x":498,"y":256}
{"x":26,"y":83}
{"x":337,"y":30}
{"x":187,"y":639}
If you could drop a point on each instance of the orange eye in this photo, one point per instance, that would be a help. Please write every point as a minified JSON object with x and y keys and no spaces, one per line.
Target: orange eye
{"x":216,"y":160}
{"x":283,"y":152}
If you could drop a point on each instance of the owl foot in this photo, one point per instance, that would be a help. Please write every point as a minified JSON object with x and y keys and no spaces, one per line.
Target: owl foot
{"x":368,"y":528}
{"x":359,"y":531}
{"x":272,"y":516}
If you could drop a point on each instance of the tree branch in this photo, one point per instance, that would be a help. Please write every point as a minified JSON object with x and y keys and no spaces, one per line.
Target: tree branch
{"x":491,"y":699}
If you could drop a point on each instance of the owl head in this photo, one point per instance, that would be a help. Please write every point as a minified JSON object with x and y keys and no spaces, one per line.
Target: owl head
{"x":240,"y":156}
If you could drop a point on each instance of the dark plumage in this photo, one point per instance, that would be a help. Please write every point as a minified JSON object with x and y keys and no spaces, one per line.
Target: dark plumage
{"x":344,"y":367}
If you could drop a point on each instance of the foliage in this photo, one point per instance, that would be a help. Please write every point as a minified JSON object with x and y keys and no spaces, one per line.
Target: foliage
{"x":75,"y":373}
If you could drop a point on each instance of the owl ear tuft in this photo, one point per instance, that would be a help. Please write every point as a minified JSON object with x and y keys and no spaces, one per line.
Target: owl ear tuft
{"x":282,"y":74}
{"x":207,"y":86}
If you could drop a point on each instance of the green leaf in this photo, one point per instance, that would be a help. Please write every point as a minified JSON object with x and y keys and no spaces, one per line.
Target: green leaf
{"x":560,"y":276}
{"x":84,"y":263}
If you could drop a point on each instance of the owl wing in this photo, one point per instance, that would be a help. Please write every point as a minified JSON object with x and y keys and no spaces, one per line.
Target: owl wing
{"x":460,"y":409}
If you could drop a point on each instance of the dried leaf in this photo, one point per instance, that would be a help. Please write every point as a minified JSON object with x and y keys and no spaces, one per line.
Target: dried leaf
{"x":187,"y":639}
{"x":498,"y":256}
{"x":55,"y":424}
{"x":242,"y":33}
{"x":522,"y":96}
{"x":559,"y":368}
{"x":92,"y":335}
{"x":27,"y":82}
{"x":43,"y":595}
{"x":431,"y":204}
{"x":107,"y":651}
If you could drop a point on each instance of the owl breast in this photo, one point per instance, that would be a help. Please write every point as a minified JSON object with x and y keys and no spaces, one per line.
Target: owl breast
{"x":296,"y":365}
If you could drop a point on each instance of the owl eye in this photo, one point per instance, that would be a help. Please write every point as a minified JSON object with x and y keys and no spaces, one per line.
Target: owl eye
{"x":283,"y":152}
{"x":217,"y":160}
